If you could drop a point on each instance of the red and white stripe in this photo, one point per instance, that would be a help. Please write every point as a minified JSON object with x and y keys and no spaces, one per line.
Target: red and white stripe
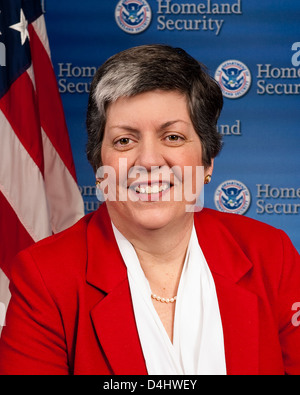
{"x":38,"y":189}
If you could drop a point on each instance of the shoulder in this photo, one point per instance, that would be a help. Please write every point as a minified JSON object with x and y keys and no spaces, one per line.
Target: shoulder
{"x":236,"y":221}
{"x":57,"y":256}
{"x":68,"y":242}
{"x":234,"y":239}
{"x":243,"y":220}
{"x":249,"y":233}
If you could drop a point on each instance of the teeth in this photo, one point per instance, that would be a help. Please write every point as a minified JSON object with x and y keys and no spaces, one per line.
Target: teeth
{"x":163,"y":187}
{"x":154,"y":189}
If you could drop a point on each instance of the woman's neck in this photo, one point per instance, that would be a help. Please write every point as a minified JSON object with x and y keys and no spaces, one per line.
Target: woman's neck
{"x":161,"y":253}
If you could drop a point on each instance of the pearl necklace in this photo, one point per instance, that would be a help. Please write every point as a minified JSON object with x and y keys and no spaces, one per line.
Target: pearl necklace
{"x":164,"y":300}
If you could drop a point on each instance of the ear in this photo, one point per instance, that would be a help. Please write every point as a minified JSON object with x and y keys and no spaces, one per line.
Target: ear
{"x":209,"y":170}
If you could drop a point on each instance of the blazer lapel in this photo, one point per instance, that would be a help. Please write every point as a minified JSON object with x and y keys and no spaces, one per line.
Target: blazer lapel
{"x":238,"y":305}
{"x":239,"y":314}
{"x":115,"y":326}
{"x":113,"y":316}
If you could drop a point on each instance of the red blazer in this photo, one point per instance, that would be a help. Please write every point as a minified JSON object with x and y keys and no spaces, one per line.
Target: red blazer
{"x":71,"y":310}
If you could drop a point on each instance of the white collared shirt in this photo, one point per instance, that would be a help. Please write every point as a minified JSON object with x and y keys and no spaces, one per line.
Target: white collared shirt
{"x":198,"y":344}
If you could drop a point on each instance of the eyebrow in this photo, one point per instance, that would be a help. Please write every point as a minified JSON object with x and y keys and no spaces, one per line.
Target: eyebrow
{"x":163,"y":126}
{"x":170,"y":123}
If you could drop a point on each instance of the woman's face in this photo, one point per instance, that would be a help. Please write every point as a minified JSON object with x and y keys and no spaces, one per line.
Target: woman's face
{"x":151,"y":145}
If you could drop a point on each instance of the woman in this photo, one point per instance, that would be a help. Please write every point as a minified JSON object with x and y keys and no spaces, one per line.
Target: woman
{"x":145,"y":284}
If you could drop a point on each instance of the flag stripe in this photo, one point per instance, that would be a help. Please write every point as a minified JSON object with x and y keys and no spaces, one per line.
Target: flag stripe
{"x":40,"y":29}
{"x":4,"y":295}
{"x":18,"y":104}
{"x":22,"y":183}
{"x":61,"y":189}
{"x":31,"y":76}
{"x":47,"y":93}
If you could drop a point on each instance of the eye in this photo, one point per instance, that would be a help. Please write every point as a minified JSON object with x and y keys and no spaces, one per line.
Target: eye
{"x":123,"y":142}
{"x":174,"y":138}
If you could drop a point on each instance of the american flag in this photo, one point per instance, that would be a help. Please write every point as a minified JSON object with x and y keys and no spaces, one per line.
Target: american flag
{"x":38,"y":188}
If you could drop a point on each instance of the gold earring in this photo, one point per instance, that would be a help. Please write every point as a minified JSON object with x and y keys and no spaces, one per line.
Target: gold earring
{"x":207,"y":179}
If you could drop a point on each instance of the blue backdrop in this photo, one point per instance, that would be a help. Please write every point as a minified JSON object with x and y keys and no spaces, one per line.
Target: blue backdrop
{"x":251,"y":47}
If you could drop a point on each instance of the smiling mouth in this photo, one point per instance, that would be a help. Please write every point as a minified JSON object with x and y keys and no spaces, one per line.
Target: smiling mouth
{"x":150,"y":189}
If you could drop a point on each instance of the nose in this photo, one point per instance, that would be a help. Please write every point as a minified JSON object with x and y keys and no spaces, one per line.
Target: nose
{"x":149,"y":154}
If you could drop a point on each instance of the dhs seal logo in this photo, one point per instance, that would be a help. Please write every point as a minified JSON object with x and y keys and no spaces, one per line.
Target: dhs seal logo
{"x":133,"y":16}
{"x":232,"y":196}
{"x":234,"y":78}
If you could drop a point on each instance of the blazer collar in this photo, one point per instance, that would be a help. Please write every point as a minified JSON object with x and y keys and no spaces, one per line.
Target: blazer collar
{"x":101,"y":244}
{"x":223,"y":254}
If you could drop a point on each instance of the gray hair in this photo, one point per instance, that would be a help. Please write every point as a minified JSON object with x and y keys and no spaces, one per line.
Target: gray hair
{"x":150,"y":67}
